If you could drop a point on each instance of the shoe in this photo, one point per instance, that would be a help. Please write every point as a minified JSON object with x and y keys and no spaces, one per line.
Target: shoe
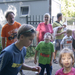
{"x":36,"y":73}
{"x":45,"y":73}
{"x":55,"y":61}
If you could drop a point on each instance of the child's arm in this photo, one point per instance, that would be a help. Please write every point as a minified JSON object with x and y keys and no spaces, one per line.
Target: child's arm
{"x":35,"y":60}
{"x":32,"y":68}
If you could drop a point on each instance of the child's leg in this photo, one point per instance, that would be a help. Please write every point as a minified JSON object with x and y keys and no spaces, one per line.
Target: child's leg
{"x":42,"y":69}
{"x":49,"y":69}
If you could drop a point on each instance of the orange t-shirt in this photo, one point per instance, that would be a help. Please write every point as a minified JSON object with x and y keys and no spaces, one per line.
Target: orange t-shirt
{"x":10,"y":32}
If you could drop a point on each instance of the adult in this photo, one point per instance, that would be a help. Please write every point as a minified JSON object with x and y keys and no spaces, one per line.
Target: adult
{"x":44,"y":27}
{"x":9,"y":31}
{"x":59,"y":35}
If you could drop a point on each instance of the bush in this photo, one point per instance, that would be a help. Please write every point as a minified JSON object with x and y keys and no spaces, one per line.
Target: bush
{"x":30,"y":52}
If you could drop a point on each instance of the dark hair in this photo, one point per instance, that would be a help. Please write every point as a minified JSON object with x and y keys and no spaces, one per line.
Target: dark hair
{"x":58,"y":15}
{"x":26,"y":30}
{"x":8,"y":14}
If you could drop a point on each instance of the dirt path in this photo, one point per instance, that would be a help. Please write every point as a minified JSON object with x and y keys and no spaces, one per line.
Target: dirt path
{"x":31,"y":63}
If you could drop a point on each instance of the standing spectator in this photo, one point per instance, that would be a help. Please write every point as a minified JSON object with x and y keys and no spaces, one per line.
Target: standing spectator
{"x":9,"y":31}
{"x":59,"y":35}
{"x":45,"y":49}
{"x":67,"y":40}
{"x":12,"y":57}
{"x":44,"y":27}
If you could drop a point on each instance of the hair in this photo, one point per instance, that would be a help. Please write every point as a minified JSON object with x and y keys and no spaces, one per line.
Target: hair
{"x":66,"y":50}
{"x":47,"y":15}
{"x":58,"y":15}
{"x":48,"y":34}
{"x":25,"y":30}
{"x":68,"y":31}
{"x":9,"y":12}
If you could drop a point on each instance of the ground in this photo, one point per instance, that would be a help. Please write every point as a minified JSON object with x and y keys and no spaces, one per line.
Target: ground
{"x":30,"y":62}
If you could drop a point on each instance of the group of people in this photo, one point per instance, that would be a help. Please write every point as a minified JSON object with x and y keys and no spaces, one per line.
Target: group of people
{"x":21,"y":36}
{"x":64,"y":40}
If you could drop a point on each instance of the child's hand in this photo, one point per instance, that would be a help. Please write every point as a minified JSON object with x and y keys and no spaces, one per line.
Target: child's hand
{"x":38,"y":69}
{"x":35,"y":61}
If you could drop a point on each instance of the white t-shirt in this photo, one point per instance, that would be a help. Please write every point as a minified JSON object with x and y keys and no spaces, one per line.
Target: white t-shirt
{"x":67,"y":42}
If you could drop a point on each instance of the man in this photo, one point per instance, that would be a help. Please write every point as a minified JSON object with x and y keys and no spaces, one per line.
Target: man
{"x":9,"y":31}
{"x":59,"y":35}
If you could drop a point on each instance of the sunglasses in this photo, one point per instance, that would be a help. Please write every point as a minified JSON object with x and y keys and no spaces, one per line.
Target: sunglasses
{"x":30,"y":30}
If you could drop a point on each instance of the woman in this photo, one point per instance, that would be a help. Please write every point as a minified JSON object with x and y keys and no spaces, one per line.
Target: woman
{"x":44,"y":27}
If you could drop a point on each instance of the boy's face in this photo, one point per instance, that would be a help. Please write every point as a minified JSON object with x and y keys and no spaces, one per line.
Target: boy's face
{"x":66,"y":60}
{"x":26,"y":41}
{"x":47,"y":38}
{"x":60,"y":18}
{"x":69,"y":34}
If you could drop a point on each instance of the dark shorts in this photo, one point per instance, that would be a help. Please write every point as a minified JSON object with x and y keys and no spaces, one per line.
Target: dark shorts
{"x":57,"y":44}
{"x":73,"y":43}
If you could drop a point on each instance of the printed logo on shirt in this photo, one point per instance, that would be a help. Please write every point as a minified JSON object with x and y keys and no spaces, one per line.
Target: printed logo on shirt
{"x":12,"y":34}
{"x":14,"y":65}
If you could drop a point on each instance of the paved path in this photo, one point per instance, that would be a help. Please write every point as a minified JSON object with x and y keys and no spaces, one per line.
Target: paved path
{"x":31,"y":63}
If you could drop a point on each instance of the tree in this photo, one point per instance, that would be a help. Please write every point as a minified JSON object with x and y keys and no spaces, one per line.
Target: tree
{"x":68,"y":8}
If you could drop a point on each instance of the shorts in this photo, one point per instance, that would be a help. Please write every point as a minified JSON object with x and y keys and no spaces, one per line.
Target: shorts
{"x":73,"y":43}
{"x":57,"y":44}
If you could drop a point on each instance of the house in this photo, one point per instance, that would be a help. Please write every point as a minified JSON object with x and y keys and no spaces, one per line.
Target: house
{"x":34,"y":9}
{"x":23,"y":8}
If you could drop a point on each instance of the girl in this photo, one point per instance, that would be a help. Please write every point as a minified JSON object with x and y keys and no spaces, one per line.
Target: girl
{"x":66,"y":61}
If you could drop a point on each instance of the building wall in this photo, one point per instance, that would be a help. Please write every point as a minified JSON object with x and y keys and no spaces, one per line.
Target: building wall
{"x":35,"y":8}
{"x":56,"y":7}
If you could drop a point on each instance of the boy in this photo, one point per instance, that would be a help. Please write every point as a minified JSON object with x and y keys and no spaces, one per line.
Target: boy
{"x":12,"y":57}
{"x":46,"y":50}
{"x":67,"y":40}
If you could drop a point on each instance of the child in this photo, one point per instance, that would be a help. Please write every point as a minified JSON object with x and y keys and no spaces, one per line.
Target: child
{"x":66,"y":61}
{"x":12,"y":57}
{"x":46,"y":50}
{"x":67,"y":40}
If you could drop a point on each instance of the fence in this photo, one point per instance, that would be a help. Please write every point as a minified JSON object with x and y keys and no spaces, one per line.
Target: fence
{"x":34,"y":20}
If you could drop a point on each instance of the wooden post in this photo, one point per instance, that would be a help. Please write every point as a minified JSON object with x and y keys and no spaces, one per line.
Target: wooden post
{"x":27,"y":19}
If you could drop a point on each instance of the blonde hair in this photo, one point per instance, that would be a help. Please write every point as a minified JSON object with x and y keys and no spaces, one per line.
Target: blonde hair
{"x":66,"y":50}
{"x":25,"y":30}
{"x":68,"y":31}
{"x":49,"y":35}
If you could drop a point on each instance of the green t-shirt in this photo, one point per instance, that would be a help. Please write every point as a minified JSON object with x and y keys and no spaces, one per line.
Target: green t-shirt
{"x":55,"y":24}
{"x":45,"y":48}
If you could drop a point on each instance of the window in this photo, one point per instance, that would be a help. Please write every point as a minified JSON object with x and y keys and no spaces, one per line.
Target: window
{"x":24,"y":10}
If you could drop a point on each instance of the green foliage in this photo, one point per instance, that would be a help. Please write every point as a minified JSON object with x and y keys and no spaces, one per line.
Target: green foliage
{"x":68,"y":8}
{"x":30,"y":52}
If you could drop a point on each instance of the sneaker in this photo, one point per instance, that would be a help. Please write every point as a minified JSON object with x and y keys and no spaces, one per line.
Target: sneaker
{"x":36,"y":73}
{"x":45,"y":73}
{"x":55,"y":61}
